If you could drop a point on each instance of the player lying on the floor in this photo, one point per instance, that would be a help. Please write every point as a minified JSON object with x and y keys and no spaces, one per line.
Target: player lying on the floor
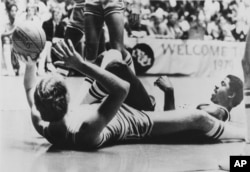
{"x":110,"y":121}
{"x":226,"y":96}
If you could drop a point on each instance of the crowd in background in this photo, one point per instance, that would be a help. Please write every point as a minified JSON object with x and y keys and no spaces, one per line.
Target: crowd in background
{"x":226,"y":20}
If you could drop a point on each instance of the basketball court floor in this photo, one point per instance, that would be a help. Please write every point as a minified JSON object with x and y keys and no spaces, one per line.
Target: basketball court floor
{"x":23,"y":150}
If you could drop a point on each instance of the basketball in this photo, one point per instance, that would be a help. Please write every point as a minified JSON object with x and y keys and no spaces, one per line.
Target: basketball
{"x":29,"y":39}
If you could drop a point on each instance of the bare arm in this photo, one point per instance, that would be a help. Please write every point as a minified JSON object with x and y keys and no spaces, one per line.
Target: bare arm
{"x":116,"y":87}
{"x":29,"y":86}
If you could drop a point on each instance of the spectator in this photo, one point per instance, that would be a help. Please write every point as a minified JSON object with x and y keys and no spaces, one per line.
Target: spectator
{"x":174,"y":31}
{"x":240,"y":31}
{"x":226,"y":28}
{"x":43,"y":10}
{"x":54,"y":29}
{"x":31,"y":14}
{"x":10,"y":61}
{"x":197,"y":30}
{"x":214,"y":31}
{"x":157,"y":25}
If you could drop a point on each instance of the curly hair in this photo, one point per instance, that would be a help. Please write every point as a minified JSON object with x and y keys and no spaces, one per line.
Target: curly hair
{"x":51,"y":99}
{"x":236,"y":86}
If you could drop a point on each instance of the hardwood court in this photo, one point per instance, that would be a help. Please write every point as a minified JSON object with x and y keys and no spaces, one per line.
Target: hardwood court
{"x":23,"y":150}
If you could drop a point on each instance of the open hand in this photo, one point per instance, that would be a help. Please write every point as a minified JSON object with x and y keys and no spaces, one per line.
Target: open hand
{"x":67,"y":53}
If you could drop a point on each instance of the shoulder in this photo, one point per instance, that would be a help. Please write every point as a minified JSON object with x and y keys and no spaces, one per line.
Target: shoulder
{"x":215,"y":110}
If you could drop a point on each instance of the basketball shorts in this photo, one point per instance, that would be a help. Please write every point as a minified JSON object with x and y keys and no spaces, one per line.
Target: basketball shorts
{"x":76,"y":19}
{"x":95,"y":7}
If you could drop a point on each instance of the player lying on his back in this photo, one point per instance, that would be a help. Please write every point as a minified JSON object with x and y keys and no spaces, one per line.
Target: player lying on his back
{"x":225,"y":97}
{"x":110,"y":121}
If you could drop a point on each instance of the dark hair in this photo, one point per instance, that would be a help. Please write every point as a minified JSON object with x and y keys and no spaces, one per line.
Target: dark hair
{"x":236,"y":86}
{"x":51,"y":99}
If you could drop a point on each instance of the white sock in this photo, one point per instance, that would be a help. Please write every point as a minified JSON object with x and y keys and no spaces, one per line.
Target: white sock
{"x":95,"y":93}
{"x":247,"y":113}
{"x":216,"y":130}
{"x":222,"y":130}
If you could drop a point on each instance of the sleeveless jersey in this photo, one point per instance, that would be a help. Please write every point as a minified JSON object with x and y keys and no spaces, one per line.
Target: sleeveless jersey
{"x":127,"y":124}
{"x":227,"y":113}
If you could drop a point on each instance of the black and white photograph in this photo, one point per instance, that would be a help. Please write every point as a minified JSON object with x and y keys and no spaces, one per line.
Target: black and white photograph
{"x":125,"y":85}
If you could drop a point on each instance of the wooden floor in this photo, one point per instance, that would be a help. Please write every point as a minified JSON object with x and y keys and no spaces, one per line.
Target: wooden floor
{"x":23,"y":150}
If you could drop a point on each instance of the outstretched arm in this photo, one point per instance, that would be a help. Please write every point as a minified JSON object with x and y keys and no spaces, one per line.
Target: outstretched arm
{"x":117,"y":90}
{"x":30,"y":80}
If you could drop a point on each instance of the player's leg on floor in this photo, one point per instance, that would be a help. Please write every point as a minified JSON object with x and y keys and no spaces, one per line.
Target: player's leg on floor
{"x":137,"y":96}
{"x":169,"y":122}
{"x":93,"y":29}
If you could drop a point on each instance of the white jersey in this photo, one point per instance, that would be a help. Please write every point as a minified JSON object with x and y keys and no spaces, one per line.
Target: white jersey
{"x":127,"y":124}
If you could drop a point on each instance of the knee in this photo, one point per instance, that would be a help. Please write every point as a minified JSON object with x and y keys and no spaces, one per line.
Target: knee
{"x":116,"y":66}
{"x":91,"y":52}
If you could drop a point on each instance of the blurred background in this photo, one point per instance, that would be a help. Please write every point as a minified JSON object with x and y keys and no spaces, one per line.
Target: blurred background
{"x":174,"y":37}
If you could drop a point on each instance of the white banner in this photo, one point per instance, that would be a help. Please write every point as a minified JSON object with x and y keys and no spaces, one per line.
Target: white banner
{"x":194,"y":57}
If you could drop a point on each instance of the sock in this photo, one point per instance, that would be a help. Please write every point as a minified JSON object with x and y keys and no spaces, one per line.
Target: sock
{"x":247,"y":113}
{"x":216,"y":130}
{"x":94,"y":94}
{"x":129,"y":61}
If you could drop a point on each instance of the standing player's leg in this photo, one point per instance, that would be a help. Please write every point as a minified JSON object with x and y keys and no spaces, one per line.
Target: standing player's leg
{"x":93,"y":30}
{"x":76,"y":25}
{"x":115,"y":24}
{"x":75,"y":36}
{"x":75,"y":30}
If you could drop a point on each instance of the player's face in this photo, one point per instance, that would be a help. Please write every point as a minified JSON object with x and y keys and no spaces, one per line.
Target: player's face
{"x":221,"y":92}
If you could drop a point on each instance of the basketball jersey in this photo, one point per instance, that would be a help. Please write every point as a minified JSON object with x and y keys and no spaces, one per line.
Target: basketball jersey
{"x":227,"y":113}
{"x":127,"y":124}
